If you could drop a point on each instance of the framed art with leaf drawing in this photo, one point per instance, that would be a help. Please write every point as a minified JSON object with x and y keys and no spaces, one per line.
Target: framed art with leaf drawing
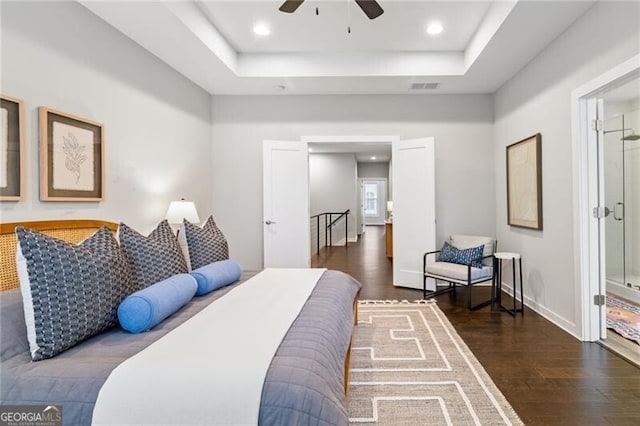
{"x":12,"y":149}
{"x":71,"y":157}
{"x":524,"y":183}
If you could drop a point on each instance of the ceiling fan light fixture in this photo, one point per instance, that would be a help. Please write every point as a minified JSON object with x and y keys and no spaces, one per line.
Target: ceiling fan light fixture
{"x":261,"y":30}
{"x":434,"y":28}
{"x":371,"y":8}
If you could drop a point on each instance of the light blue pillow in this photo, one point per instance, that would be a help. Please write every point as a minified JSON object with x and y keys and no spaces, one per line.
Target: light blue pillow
{"x":452,"y":254}
{"x":216,"y":275}
{"x":146,"y":308}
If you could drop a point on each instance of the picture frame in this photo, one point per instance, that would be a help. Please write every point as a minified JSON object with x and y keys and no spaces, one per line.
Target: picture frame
{"x":524,"y":183}
{"x":12,"y":149}
{"x":71,"y":157}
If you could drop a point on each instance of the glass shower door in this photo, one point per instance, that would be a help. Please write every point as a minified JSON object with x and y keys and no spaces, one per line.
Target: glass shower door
{"x":614,"y":168}
{"x":621,"y":173}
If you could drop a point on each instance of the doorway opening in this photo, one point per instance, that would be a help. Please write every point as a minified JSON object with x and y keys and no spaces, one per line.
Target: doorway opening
{"x":607,"y":154}
{"x":337,"y":167}
{"x":414,"y":216}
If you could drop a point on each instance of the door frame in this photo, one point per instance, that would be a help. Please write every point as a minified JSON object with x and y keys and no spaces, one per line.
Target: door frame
{"x":588,"y":246}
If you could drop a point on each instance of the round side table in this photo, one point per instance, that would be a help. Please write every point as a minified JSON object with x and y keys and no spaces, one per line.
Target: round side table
{"x":496,"y":285}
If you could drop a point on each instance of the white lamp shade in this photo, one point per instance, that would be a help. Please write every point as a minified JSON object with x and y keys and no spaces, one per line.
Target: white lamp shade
{"x":179,"y":210}
{"x":389,"y":206}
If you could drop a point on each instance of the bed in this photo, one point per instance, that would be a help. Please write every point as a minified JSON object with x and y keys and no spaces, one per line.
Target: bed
{"x":305,"y":383}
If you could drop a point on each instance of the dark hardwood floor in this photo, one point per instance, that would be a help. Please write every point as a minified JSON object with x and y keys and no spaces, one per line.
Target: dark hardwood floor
{"x":547,"y":375}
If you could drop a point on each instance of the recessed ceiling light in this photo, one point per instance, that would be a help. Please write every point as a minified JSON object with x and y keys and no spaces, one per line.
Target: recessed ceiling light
{"x":373,"y":158}
{"x":310,"y":149}
{"x":434,"y":28}
{"x":261,"y":30}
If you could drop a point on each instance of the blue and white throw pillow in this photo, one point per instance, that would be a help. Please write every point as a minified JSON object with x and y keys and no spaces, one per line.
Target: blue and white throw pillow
{"x":153,"y":258}
{"x":204,"y":245}
{"x":452,"y":254}
{"x":70,"y":292}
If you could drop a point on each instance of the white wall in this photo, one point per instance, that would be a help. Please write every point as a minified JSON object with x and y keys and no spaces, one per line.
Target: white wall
{"x":461,"y":124}
{"x":157,"y":123}
{"x":333,"y":188}
{"x":537,"y":99}
{"x":374,"y":170}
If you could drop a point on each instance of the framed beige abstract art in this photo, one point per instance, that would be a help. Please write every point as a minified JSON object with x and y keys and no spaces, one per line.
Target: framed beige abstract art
{"x":524,"y":183}
{"x":71,"y":157}
{"x":12,"y":149}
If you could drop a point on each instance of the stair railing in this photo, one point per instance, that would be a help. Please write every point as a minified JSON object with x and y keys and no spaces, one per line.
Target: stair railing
{"x":328,"y":224}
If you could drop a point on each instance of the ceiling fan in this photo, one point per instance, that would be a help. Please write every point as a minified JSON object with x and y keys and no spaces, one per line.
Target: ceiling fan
{"x":371,"y":8}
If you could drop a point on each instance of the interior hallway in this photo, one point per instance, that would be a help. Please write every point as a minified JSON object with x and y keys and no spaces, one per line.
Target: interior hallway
{"x":547,"y":375}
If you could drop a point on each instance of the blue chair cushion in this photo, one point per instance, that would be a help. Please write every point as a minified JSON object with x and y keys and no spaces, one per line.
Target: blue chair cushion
{"x":452,"y":254}
{"x":146,"y":308}
{"x":216,"y":275}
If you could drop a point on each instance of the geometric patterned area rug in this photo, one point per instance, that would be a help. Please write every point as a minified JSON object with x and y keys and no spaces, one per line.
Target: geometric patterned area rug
{"x":623,"y":318}
{"x":410,"y":367}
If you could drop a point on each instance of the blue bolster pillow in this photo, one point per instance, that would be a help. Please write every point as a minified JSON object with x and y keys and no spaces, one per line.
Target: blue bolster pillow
{"x":146,"y":308}
{"x":216,"y":275}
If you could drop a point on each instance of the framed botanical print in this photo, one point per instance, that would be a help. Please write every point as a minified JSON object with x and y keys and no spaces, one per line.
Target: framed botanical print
{"x":12,"y":149}
{"x":524,"y":183}
{"x":71,"y":157}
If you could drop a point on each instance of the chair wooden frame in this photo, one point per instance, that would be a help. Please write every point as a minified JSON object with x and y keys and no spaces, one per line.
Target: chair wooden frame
{"x":454,"y":281}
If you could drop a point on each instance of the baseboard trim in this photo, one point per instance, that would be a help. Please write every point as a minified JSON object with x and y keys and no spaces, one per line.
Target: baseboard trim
{"x":566,"y":325}
{"x":341,"y":241}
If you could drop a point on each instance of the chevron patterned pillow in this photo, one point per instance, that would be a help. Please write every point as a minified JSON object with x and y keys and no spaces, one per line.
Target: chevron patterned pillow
{"x":154,"y":258}
{"x":69,"y":292}
{"x":205,"y":245}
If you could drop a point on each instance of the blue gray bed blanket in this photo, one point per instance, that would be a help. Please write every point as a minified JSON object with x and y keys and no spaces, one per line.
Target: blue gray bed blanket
{"x":303,"y":386}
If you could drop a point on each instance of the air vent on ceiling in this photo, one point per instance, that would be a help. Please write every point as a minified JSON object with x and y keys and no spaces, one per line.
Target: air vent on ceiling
{"x":424,"y":86}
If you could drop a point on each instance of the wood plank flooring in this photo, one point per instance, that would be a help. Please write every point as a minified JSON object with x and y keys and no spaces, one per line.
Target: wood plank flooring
{"x":548,"y":376}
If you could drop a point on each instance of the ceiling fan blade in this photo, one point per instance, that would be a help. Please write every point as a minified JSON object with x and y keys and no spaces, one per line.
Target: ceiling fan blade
{"x":290,"y":6}
{"x":371,"y":8}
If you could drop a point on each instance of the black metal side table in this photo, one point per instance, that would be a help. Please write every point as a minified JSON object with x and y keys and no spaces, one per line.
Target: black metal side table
{"x":496,"y":284}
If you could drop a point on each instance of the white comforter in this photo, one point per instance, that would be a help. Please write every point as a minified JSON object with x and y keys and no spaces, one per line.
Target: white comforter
{"x":211,"y":369}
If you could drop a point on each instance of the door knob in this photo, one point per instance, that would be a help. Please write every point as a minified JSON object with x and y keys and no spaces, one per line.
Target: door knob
{"x":269,"y":222}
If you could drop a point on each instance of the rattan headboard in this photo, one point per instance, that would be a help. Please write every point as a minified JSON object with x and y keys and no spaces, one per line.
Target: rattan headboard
{"x":73,"y":231}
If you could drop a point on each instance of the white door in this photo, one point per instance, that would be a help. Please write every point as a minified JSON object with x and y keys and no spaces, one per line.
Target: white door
{"x":286,"y":204}
{"x":361,"y":225}
{"x":414,"y":214}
